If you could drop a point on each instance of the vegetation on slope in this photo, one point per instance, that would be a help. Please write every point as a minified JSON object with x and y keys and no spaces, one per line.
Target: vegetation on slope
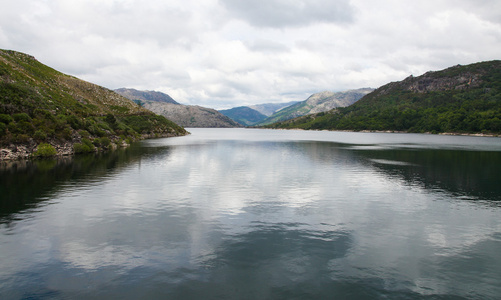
{"x":244,"y":115}
{"x":460,"y":99}
{"x":41,"y":106}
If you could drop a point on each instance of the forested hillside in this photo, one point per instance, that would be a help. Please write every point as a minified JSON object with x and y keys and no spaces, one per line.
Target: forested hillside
{"x":40,"y":106}
{"x":460,"y":99}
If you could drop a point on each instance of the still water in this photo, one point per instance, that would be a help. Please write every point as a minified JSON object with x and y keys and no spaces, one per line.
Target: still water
{"x":258,"y":214}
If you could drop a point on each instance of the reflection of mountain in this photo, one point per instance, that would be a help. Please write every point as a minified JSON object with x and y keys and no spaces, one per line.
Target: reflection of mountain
{"x":465,"y":174}
{"x":469,"y":174}
{"x":26,"y":183}
{"x":196,"y":218}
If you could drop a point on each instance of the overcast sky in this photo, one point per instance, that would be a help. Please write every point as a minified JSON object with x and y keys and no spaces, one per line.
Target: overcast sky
{"x":227,"y":53}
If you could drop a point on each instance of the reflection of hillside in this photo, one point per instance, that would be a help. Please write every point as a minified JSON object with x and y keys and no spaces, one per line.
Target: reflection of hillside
{"x":464,"y":174}
{"x":468,"y":174}
{"x":25,"y":183}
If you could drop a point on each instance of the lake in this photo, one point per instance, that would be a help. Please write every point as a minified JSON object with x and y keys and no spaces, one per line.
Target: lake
{"x":257,"y":214}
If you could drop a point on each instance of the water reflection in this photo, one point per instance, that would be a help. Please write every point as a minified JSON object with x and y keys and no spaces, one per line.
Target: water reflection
{"x":471,"y":175}
{"x":26,"y":183}
{"x":257,"y":217}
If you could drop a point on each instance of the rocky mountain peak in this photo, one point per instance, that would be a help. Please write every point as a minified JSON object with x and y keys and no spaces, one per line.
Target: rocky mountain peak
{"x":137,"y":95}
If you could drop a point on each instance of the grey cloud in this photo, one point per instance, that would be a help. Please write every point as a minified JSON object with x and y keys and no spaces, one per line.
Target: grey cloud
{"x":262,"y":45}
{"x":164,"y":25}
{"x":222,"y":53}
{"x":285,"y":13}
{"x":487,"y":9}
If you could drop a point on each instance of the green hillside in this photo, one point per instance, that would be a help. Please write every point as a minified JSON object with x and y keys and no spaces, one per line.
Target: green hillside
{"x":244,"y":115}
{"x":460,"y":99}
{"x":39,"y":105}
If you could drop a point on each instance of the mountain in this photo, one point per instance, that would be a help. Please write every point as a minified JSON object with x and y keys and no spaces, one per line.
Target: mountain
{"x":316,"y":103}
{"x":254,"y":114}
{"x":138,"y":96}
{"x":191,"y":115}
{"x":184,"y":115}
{"x":268,"y":109}
{"x":244,"y":115}
{"x":45,"y":112}
{"x":459,"y":99}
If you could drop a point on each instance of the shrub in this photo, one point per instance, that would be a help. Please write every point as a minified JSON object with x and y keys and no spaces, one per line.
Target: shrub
{"x":111,"y":120}
{"x":105,"y":141}
{"x":22,"y":138}
{"x":3,"y":129}
{"x":25,"y":127}
{"x":104,"y":126}
{"x":13,"y":127}
{"x":102,"y":142}
{"x":80,"y":148}
{"x":88,"y":143}
{"x":21,"y":117}
{"x":122,"y":128}
{"x":85,"y":147}
{"x":45,"y":150}
{"x":84,"y":133}
{"x":65,"y":134}
{"x":44,"y":114}
{"x":40,"y":135}
{"x":5,"y":118}
{"x":74,"y":122}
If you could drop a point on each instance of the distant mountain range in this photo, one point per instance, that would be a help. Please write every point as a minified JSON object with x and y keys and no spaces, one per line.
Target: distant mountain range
{"x":268,"y":109}
{"x":459,"y":99}
{"x":244,"y":115}
{"x":319,"y":102}
{"x":183,"y":115}
{"x":44,"y":112}
{"x":263,"y":114}
{"x":254,"y":114}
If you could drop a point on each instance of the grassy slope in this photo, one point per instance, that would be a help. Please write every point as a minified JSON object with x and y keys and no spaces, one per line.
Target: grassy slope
{"x":461,"y":99}
{"x":41,"y":105}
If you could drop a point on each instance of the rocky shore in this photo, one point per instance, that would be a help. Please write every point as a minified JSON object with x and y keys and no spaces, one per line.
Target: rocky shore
{"x":28,"y":150}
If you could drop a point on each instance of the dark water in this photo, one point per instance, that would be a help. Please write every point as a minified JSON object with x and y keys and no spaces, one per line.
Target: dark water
{"x":257,"y":214}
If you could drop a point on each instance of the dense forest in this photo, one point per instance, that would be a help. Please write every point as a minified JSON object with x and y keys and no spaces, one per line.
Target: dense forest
{"x":460,"y":99}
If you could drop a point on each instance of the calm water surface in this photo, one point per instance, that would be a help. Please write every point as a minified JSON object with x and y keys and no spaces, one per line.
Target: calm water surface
{"x":258,"y":214}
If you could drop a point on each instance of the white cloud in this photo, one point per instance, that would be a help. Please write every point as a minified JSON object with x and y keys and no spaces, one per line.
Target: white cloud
{"x":230,"y":53}
{"x":285,"y":13}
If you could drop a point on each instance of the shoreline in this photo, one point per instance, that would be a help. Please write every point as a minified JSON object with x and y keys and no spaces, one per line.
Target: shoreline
{"x":393,"y":131}
{"x":25,"y":151}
